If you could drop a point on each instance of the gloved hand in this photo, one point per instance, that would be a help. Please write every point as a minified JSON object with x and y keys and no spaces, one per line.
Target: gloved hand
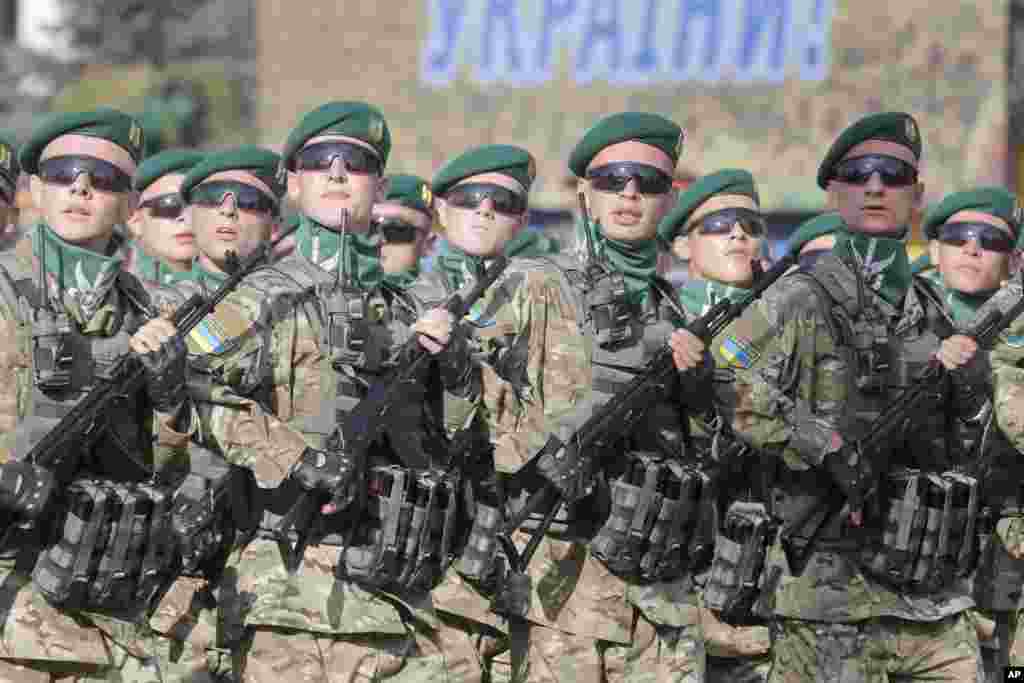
{"x":198,"y":516}
{"x":330,"y":473}
{"x":164,"y":356}
{"x":25,"y":489}
{"x":851,"y":473}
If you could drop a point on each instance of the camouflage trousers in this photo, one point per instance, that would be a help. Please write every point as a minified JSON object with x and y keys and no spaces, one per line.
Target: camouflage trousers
{"x":1005,"y":646}
{"x":877,"y":651}
{"x":171,"y":662}
{"x":657,"y":654}
{"x":455,"y":652}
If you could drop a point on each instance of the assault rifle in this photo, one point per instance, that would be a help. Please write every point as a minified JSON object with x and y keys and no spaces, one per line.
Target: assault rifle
{"x":369,"y":420}
{"x":59,"y":451}
{"x":890,"y":423}
{"x":577,"y":456}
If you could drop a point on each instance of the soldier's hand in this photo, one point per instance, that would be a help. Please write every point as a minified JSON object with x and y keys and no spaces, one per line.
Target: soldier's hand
{"x":957,"y":351}
{"x":1010,"y":531}
{"x":326,"y":472}
{"x":25,"y":489}
{"x":687,"y":349}
{"x":163,"y":355}
{"x":434,"y":329}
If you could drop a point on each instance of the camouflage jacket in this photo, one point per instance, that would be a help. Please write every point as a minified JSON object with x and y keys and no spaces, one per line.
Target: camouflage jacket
{"x":538,"y":310}
{"x":265,"y":386}
{"x":797,"y":382}
{"x":33,"y":629}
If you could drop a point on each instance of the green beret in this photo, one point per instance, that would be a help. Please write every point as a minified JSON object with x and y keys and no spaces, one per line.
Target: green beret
{"x":650,"y":129}
{"x":107,"y":124}
{"x":352,"y":119}
{"x":159,"y":165}
{"x":892,"y":126}
{"x":995,"y":201}
{"x":727,"y":181}
{"x":825,"y":224}
{"x":410,"y":191}
{"x":9,"y":167}
{"x":515,"y":162}
{"x":258,"y":161}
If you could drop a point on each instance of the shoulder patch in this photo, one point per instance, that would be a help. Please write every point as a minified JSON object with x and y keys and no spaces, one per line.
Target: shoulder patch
{"x":211,"y":335}
{"x":743,"y":342}
{"x":1014,"y":341}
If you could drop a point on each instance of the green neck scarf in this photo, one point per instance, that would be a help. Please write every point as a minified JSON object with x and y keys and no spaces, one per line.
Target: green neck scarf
{"x":322,"y":246}
{"x":529,"y":244}
{"x":637,"y":261}
{"x":78,"y":279}
{"x":963,"y":307}
{"x":457,"y":266}
{"x":404,"y":279}
{"x":207,"y":278}
{"x":882,"y":262}
{"x":698,"y":296}
{"x":153,"y":269}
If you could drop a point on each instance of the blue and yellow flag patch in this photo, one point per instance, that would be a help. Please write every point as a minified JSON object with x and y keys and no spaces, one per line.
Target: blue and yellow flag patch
{"x":1014,"y":341}
{"x":739,"y":353}
{"x":214,"y":332}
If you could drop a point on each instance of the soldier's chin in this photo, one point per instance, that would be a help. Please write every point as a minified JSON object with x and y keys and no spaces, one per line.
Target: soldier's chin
{"x":74,"y":232}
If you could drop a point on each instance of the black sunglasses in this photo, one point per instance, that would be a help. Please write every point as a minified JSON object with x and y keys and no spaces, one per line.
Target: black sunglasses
{"x":989,"y":237}
{"x":893,"y":172}
{"x":247,"y":197}
{"x":168,"y":206}
{"x":320,"y":156}
{"x":615,"y":177}
{"x":64,"y":170}
{"x":472,"y":195}
{"x":721,"y":222}
{"x":395,"y":230}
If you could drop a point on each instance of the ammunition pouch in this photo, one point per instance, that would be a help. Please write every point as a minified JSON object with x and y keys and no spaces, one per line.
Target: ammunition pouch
{"x":115,"y":553}
{"x":404,"y":539}
{"x":479,"y":556}
{"x":999,"y":578}
{"x":654,"y":530}
{"x":928,"y":532}
{"x":611,"y":314}
{"x":740,"y":550}
{"x":52,"y":354}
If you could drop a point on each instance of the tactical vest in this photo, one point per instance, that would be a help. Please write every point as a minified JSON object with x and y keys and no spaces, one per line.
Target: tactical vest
{"x":920,"y":533}
{"x":643,"y":519}
{"x":404,"y":534}
{"x":64,"y":366}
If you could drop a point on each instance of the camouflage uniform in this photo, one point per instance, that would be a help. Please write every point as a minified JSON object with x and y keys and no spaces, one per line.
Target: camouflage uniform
{"x":798,"y":384}
{"x":1007,"y":574}
{"x":40,"y":641}
{"x":726,"y":642}
{"x":271,"y":391}
{"x":586,"y":623}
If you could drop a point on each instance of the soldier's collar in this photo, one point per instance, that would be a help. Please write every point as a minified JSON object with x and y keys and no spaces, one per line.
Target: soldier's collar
{"x":78,"y":278}
{"x":322,"y":247}
{"x":698,"y":296}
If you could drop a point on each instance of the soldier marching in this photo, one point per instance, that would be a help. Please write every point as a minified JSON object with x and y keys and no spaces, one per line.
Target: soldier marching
{"x":526,"y":464}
